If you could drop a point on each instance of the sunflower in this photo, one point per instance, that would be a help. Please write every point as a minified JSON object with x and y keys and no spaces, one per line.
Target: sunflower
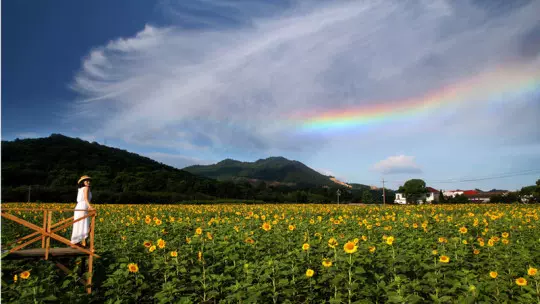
{"x":161,"y":243}
{"x":390,"y":240}
{"x":309,"y":273}
{"x":493,"y":274}
{"x":463,"y":230}
{"x":25,"y":275}
{"x":15,"y":278}
{"x":147,"y":244}
{"x":174,"y":254}
{"x":249,"y":240}
{"x":332,"y":243}
{"x":305,"y":247}
{"x":133,"y":267}
{"x":350,"y":247}
{"x":147,"y":220}
{"x":434,"y":252}
{"x":444,"y":259}
{"x":326,"y":262}
{"x":291,"y":227}
{"x":532,"y":271}
{"x":505,"y":235}
{"x":152,"y":248}
{"x":266,"y":226}
{"x":372,"y":249}
{"x":521,"y":281}
{"x":476,"y":251}
{"x":198,"y":231}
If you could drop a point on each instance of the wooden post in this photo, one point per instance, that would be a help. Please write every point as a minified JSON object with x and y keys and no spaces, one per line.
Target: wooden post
{"x":91,"y":257}
{"x":44,"y":228}
{"x":48,"y":242}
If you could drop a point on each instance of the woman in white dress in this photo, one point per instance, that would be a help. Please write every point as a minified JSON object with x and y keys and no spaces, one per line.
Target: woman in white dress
{"x":81,"y":229}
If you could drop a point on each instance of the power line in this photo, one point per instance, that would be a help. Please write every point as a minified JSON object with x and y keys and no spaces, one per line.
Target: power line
{"x":472,"y":179}
{"x":530,"y":172}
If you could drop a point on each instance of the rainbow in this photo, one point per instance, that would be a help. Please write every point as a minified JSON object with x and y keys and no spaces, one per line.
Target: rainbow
{"x":501,"y":84}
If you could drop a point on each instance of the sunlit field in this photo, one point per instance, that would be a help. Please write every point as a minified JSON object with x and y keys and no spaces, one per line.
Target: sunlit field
{"x":293,"y":254}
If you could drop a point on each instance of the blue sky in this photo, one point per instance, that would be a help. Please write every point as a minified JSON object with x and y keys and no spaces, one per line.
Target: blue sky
{"x":200,"y":81}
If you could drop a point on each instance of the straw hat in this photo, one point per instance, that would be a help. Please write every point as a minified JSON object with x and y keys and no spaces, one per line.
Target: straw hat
{"x":84,"y":177}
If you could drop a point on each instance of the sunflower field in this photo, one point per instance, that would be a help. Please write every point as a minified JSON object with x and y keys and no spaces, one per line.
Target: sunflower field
{"x":292,"y":254}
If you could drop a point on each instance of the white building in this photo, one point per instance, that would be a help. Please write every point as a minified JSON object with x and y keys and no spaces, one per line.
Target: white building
{"x":431,"y":196}
{"x":453,"y":193}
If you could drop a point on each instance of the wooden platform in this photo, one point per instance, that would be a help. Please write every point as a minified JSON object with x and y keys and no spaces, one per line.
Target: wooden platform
{"x":40,"y":253}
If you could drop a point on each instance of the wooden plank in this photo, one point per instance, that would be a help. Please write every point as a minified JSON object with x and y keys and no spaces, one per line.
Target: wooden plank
{"x":48,"y":241}
{"x":44,"y":232}
{"x":36,"y":233}
{"x":40,"y":252}
{"x":41,"y":209}
{"x":44,"y":227}
{"x":91,"y":258}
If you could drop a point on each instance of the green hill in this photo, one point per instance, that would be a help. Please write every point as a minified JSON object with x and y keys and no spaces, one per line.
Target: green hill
{"x":52,"y":166}
{"x":272,"y":169}
{"x":48,"y":169}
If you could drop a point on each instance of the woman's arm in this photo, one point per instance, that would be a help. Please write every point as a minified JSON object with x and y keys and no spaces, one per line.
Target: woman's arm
{"x":86,"y":198}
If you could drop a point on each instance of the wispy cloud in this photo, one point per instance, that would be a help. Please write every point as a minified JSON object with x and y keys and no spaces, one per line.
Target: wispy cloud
{"x":233,"y":86}
{"x":398,"y":164}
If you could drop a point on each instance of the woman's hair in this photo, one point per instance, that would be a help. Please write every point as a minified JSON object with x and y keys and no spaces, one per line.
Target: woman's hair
{"x":81,"y":184}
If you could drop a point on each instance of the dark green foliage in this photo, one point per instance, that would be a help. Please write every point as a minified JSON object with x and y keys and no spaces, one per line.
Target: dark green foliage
{"x":509,"y":198}
{"x":413,"y":190}
{"x":272,"y":169}
{"x":367,"y":198}
{"x":458,"y":199}
{"x":442,"y":198}
{"x":51,"y":167}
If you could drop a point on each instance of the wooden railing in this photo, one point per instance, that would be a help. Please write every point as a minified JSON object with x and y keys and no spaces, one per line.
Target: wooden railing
{"x":49,"y":230}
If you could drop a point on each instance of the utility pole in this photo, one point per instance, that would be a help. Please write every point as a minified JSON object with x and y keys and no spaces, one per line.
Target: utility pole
{"x":383,"y":193}
{"x":338,"y":193}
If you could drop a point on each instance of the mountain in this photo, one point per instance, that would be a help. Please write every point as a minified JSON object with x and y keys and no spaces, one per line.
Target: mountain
{"x":52,"y":166}
{"x":47,"y":169}
{"x":269,"y":170}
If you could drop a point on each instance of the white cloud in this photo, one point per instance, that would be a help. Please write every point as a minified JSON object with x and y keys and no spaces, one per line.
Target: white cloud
{"x":236,"y":87}
{"x":398,"y":164}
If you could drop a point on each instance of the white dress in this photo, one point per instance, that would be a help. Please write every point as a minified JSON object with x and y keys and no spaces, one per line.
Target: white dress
{"x":81,"y":228}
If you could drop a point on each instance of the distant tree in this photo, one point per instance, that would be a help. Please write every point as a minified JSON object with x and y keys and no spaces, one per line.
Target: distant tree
{"x":537,"y":192}
{"x":414,"y":190}
{"x":367,"y":198}
{"x":442,"y":199}
{"x":460,"y":199}
{"x":529,"y":190}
